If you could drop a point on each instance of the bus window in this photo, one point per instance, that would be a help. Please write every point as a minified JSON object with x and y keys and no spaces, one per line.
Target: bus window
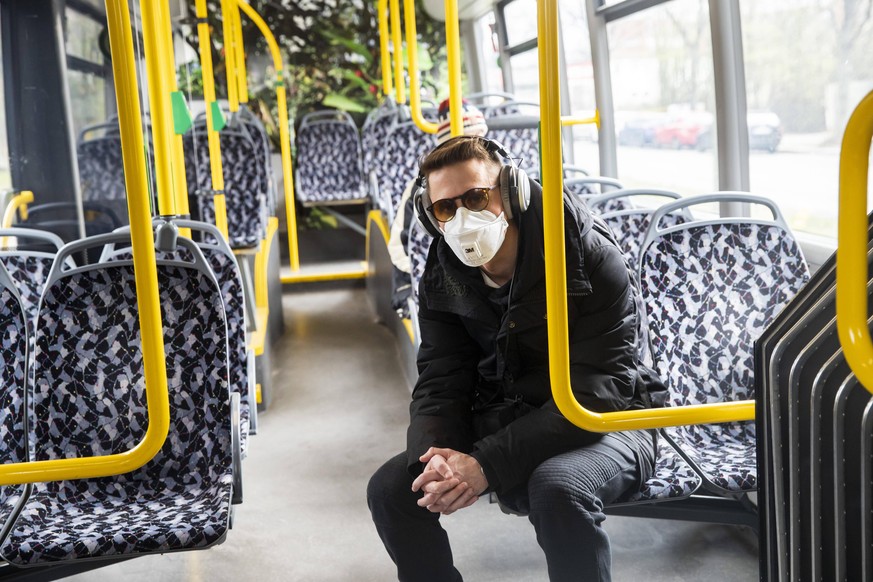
{"x":663,"y":89}
{"x":520,"y":17}
{"x":85,"y":66}
{"x":580,"y":81}
{"x":807,"y":66}
{"x":526,"y":75}
{"x":490,"y":53}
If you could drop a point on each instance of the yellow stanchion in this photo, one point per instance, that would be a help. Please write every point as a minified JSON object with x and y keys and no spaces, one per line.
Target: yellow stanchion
{"x":556,"y":273}
{"x":453,"y":54}
{"x":399,"y":83}
{"x":213,"y":139}
{"x":852,"y":243}
{"x":284,"y":136}
{"x":230,"y":55}
{"x":148,"y":297}
{"x":18,"y":205}
{"x":414,"y":82}
{"x":240,"y":56}
{"x":387,"y":85}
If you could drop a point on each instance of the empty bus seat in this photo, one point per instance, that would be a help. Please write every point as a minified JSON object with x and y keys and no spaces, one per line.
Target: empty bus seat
{"x":631,"y":222}
{"x":710,"y":288}
{"x":404,"y":147}
{"x":13,"y":373}
{"x":329,"y":160}
{"x":587,"y":187}
{"x":244,"y":182}
{"x":519,"y":134}
{"x":91,"y":401}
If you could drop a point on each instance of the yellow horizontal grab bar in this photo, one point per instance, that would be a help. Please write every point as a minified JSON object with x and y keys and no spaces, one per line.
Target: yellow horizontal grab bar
{"x":577,"y":120}
{"x":852,"y":271}
{"x":556,"y":272}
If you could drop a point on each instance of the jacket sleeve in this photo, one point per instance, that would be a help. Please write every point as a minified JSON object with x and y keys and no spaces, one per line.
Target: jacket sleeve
{"x":440,"y":412}
{"x":603,"y":375}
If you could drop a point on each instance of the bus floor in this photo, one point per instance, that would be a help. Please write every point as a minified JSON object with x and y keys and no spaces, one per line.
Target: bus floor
{"x":340,"y":409}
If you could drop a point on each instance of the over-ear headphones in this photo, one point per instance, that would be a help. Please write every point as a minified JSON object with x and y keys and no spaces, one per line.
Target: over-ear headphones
{"x":513,"y":183}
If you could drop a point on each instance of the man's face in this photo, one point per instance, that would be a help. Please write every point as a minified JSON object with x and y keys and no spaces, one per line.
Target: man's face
{"x":455,"y":180}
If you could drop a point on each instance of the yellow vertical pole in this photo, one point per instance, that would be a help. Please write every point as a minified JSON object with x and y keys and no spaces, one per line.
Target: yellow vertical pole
{"x":180,"y":184}
{"x":229,"y":55}
{"x":284,"y":135}
{"x":240,"y":52}
{"x":414,"y":85}
{"x":215,"y":166}
{"x":453,"y":54}
{"x":399,"y":84}
{"x":387,"y":85}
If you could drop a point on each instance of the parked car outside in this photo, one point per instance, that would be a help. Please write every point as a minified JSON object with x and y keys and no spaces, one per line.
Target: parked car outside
{"x":639,"y":131}
{"x":683,"y":130}
{"x":765,"y":132}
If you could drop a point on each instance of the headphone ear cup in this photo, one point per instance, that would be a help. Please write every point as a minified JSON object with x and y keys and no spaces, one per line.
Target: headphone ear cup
{"x":514,"y":190}
{"x":424,"y":217}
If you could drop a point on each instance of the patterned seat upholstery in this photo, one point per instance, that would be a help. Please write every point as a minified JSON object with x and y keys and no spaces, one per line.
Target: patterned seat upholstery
{"x":630,"y":222}
{"x":405,"y":146}
{"x":263,"y":152}
{"x":181,"y":498}
{"x":329,"y":166}
{"x":710,"y":289}
{"x":13,"y":371}
{"x":229,"y":279}
{"x":101,"y":174}
{"x":417,"y":247}
{"x":243,"y":184}
{"x":522,"y":143}
{"x":672,"y":477}
{"x":374,"y":140}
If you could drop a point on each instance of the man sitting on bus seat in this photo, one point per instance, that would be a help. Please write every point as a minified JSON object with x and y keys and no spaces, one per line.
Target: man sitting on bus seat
{"x":482,"y":417}
{"x":474,"y":124}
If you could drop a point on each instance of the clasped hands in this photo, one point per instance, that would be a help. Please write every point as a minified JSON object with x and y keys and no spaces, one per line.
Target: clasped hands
{"x":450,"y":481}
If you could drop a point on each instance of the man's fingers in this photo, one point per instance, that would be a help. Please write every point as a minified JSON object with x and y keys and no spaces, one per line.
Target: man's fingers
{"x":467,"y":499}
{"x":426,"y":477}
{"x":446,"y":499}
{"x":445,"y":453}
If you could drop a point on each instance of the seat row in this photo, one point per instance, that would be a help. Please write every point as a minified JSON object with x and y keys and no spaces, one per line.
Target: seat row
{"x":74,"y":387}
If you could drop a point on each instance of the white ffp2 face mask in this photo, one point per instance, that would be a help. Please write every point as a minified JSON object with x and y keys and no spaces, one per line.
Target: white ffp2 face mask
{"x":475,"y":237}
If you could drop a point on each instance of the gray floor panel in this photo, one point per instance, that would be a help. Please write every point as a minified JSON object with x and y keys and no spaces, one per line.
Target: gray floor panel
{"x":340,"y":409}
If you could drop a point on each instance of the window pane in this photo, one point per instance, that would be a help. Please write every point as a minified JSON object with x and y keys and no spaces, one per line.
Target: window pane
{"x":526,"y":76}
{"x":662,"y":83}
{"x":87,"y":99}
{"x":521,"y":21}
{"x":82,"y":37}
{"x":490,"y":52}
{"x":807,"y":66}
{"x":580,"y":78}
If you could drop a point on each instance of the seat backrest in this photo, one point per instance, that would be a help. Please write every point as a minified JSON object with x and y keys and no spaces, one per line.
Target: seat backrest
{"x":243,"y":182}
{"x":589,"y":187}
{"x":417,"y":248}
{"x":329,"y":160}
{"x":519,"y":134}
{"x":710,"y":288}
{"x":90,"y":315}
{"x":405,"y":145}
{"x":13,"y":372}
{"x":631,"y":221}
{"x":101,"y":173}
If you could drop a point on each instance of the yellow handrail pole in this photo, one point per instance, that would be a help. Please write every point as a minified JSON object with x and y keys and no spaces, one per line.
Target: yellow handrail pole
{"x":18,"y":203}
{"x":414,"y":84}
{"x":240,"y":53}
{"x":213,"y":139}
{"x":158,"y":403}
{"x":284,"y":136}
{"x":852,"y":243}
{"x":453,"y":55}
{"x":180,"y":183}
{"x":556,"y":272}
{"x":384,"y":54}
{"x":229,"y":57}
{"x":399,"y":84}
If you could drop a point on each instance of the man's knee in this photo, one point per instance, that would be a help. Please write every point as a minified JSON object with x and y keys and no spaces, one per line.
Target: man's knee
{"x":389,"y":493}
{"x":560,"y":484}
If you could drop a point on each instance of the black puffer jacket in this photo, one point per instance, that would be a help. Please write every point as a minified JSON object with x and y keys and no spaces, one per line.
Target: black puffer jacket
{"x":483,"y":385}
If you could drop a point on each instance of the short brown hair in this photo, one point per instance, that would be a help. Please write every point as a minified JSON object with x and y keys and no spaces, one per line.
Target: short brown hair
{"x":455,"y":151}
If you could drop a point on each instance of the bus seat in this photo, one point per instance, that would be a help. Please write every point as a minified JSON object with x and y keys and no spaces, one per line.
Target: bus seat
{"x":710,"y":288}
{"x":405,"y":145}
{"x":329,"y":160}
{"x":13,"y":373}
{"x":181,"y":498}
{"x":243,"y":183}
{"x":588,"y":187}
{"x":630,"y":221}
{"x":519,"y":134}
{"x":227,"y":274}
{"x":374,"y":136}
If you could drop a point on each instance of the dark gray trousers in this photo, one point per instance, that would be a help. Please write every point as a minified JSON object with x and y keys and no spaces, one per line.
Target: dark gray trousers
{"x":563,"y":499}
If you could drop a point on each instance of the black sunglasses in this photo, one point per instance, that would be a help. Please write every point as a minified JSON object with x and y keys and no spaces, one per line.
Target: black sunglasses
{"x":474,"y":199}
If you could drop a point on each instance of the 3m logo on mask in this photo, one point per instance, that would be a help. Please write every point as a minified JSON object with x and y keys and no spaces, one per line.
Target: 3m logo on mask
{"x":472,"y":252}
